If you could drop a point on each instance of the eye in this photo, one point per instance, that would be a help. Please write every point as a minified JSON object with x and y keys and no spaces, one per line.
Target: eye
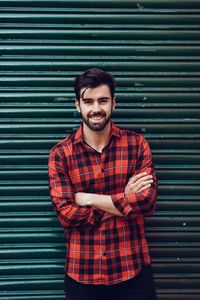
{"x":103,"y":100}
{"x":87,"y":101}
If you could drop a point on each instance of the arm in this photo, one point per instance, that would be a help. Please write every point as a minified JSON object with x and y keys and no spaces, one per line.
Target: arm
{"x":136,"y":184}
{"x":139,"y":197}
{"x":143,"y":201}
{"x":63,"y":198}
{"x":103,"y":202}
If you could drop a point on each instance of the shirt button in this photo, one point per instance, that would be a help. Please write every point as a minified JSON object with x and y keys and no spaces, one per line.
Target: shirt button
{"x":104,"y":254}
{"x":102,"y":170}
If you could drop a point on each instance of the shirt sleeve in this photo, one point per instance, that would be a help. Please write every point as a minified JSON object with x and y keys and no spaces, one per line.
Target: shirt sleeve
{"x":62,"y":195}
{"x":142,"y":203}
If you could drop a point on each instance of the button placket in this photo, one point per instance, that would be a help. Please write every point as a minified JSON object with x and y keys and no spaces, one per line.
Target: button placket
{"x":103,"y":156}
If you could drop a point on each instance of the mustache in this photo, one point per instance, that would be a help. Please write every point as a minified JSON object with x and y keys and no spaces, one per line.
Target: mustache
{"x":97,"y":115}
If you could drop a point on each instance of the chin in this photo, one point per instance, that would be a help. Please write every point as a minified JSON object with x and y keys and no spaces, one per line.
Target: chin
{"x":97,"y":127}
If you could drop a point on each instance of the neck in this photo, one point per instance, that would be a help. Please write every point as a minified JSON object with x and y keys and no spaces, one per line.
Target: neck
{"x":96,"y":139}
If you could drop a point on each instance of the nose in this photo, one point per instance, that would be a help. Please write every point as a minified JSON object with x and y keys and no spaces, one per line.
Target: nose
{"x":96,"y":107}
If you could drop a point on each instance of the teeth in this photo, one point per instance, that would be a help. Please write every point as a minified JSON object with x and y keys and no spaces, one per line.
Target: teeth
{"x":96,"y":118}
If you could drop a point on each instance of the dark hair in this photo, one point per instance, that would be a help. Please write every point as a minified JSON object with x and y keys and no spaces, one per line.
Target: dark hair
{"x":92,"y":78}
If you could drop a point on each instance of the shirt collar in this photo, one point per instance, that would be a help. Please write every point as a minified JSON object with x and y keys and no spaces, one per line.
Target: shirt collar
{"x":115,"y":131}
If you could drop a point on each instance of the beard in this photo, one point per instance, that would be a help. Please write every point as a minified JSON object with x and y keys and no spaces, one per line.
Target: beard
{"x":96,"y":125}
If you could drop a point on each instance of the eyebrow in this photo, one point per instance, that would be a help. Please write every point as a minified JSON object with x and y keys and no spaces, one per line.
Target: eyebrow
{"x":101,"y":98}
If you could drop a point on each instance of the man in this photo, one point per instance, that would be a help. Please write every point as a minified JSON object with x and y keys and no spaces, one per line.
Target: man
{"x":102,"y":184}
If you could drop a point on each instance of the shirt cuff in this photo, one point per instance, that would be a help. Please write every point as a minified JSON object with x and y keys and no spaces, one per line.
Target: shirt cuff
{"x":95,"y":216}
{"x":121,"y":203}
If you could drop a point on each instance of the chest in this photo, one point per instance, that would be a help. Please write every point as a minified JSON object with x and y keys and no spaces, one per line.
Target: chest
{"x":106,"y":172}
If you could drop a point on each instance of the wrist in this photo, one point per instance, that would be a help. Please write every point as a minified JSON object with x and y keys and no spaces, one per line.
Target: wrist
{"x":83,"y":199}
{"x":88,"y":199}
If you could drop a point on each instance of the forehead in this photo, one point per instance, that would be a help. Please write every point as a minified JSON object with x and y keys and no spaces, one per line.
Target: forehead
{"x":97,"y":92}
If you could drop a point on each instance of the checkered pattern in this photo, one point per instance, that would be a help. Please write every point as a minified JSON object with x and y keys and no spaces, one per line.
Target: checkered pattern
{"x":113,"y":250}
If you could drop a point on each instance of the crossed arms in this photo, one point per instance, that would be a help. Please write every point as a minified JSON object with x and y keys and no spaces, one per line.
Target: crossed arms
{"x":86,"y":209}
{"x":136,"y":184}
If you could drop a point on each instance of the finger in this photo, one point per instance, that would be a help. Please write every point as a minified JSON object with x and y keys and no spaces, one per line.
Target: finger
{"x":138,"y":176}
{"x":137,"y":186}
{"x":106,"y":216}
{"x":144,"y":188}
{"x":143,"y":183}
{"x":141,"y":179}
{"x":141,"y":176}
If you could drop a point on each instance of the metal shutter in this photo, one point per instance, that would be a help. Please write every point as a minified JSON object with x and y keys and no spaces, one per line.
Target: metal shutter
{"x":153,"y":49}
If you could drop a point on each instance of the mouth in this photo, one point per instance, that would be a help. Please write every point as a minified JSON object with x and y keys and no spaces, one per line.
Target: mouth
{"x":97,"y":117}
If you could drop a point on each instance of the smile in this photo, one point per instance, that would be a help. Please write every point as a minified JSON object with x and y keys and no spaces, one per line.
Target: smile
{"x":97,"y":117}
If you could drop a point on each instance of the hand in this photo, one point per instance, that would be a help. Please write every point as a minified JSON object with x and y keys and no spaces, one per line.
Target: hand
{"x":106,"y":216}
{"x":82,"y":199}
{"x":138,"y":183}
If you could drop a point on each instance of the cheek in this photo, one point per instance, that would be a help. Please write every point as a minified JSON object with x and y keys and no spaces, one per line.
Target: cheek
{"x":85,"y":112}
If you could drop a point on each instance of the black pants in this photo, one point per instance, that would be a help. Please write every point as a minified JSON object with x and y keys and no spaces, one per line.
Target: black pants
{"x":139,"y":288}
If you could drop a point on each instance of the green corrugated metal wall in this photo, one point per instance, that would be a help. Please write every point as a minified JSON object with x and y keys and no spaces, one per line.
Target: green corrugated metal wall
{"x":153,"y":49}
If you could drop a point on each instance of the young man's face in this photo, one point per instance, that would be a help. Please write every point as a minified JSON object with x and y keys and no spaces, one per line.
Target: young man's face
{"x":96,"y":106}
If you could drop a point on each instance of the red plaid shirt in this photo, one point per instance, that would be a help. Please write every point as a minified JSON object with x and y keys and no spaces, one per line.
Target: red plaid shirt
{"x":115,"y":249}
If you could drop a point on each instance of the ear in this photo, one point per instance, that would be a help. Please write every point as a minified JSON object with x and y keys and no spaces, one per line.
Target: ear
{"x":113,"y":103}
{"x":77,"y":105}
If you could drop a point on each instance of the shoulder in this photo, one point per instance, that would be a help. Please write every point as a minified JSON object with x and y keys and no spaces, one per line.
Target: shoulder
{"x":64,"y":147}
{"x":134,"y":140}
{"x":131,"y":135}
